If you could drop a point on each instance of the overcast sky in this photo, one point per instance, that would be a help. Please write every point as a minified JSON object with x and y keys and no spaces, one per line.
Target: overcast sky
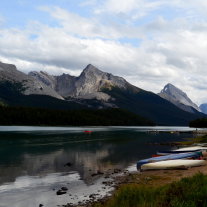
{"x":148,"y":42}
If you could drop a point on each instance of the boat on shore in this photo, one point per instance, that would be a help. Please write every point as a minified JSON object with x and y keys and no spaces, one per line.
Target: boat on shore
{"x":168,"y":152}
{"x":193,"y":148}
{"x":188,"y":155}
{"x":173,"y":164}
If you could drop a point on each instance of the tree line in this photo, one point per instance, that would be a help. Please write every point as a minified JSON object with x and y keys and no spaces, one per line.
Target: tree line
{"x":83,"y":117}
{"x":199,"y":123}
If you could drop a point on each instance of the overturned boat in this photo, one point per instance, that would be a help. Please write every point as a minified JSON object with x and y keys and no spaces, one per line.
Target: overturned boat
{"x":188,"y":155}
{"x":183,"y":150}
{"x":193,"y":148}
{"x":173,"y":164}
{"x":168,"y":152}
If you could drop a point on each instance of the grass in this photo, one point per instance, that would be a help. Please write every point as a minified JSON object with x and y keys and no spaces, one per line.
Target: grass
{"x":188,"y":192}
{"x":203,"y":139}
{"x":195,"y":140}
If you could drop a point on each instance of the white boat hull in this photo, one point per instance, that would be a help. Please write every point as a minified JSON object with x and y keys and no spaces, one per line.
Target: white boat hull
{"x":173,"y":164}
{"x":194,"y":148}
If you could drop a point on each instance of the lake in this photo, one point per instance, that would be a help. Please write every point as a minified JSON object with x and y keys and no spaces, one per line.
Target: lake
{"x":37,"y":161}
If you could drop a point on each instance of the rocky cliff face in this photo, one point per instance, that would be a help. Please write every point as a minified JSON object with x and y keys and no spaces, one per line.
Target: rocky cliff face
{"x":88,"y":85}
{"x":91,"y":82}
{"x":178,"y":98}
{"x":9,"y":72}
{"x":44,"y":77}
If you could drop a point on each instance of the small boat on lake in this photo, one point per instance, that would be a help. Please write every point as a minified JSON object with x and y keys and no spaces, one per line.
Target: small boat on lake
{"x":88,"y":131}
{"x":187,"y":155}
{"x":173,"y":164}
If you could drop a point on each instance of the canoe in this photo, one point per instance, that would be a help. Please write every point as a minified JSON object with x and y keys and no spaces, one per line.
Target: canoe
{"x":201,"y":144}
{"x":167,"y":152}
{"x":173,"y":164}
{"x":194,"y":148}
{"x":170,"y":157}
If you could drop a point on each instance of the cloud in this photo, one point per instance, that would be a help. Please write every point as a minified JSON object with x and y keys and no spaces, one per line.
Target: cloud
{"x":92,"y":27}
{"x":170,"y":50}
{"x":135,"y":8}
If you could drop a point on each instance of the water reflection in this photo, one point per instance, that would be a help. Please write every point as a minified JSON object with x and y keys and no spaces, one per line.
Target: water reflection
{"x":40,"y":153}
{"x":34,"y":161}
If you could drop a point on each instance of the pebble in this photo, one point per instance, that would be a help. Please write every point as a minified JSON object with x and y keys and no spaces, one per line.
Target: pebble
{"x":60,"y":192}
{"x":69,"y":164}
{"x":64,"y":188}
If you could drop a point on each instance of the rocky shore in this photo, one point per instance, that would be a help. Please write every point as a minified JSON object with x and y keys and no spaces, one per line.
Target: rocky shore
{"x":146,"y":178}
{"x":112,"y":179}
{"x":150,"y":178}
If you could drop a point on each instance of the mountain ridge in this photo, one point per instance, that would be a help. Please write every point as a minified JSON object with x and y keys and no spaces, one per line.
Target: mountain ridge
{"x":92,"y":89}
{"x":9,"y":72}
{"x":178,"y":98}
{"x":88,"y":85}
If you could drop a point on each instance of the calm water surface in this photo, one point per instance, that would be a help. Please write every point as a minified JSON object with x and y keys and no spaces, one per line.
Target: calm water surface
{"x":32,"y":164}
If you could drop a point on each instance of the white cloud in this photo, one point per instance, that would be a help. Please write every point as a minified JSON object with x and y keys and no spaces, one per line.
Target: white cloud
{"x":136,"y":8}
{"x":83,"y":27}
{"x":171,"y":50}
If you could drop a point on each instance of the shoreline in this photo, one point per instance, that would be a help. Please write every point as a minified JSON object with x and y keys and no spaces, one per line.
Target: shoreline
{"x":153,"y":178}
{"x":71,"y":197}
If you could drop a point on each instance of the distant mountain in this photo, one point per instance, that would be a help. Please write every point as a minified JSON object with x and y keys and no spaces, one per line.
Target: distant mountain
{"x":178,"y":98}
{"x":152,"y":106}
{"x":96,"y":88}
{"x":93,"y":89}
{"x":203,"y":108}
{"x":88,"y":85}
{"x":29,"y":85}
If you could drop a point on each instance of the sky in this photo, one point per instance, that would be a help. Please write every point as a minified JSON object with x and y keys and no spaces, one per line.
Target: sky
{"x":148,"y":42}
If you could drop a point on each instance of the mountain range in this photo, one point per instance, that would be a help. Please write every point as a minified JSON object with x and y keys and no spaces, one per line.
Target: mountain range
{"x":94,"y":89}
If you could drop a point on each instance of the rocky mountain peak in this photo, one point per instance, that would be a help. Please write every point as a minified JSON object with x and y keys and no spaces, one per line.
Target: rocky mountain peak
{"x":91,"y":70}
{"x":178,"y":97}
{"x":177,"y":94}
{"x":92,"y":81}
{"x":171,"y":89}
{"x":89,"y":85}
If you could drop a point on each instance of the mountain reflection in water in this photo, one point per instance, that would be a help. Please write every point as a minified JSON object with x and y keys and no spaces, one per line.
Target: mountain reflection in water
{"x":38,"y":153}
